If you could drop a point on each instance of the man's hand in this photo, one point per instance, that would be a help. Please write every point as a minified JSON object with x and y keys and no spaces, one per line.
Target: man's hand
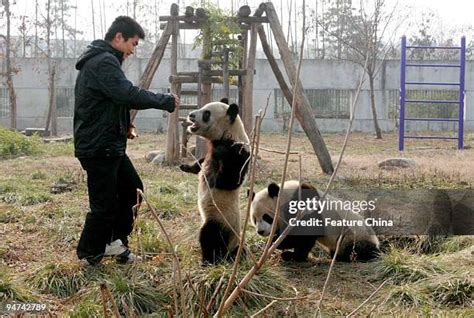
{"x":176,"y":102}
{"x":132,"y":133}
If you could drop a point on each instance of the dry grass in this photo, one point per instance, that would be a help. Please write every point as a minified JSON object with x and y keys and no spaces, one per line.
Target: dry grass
{"x":40,"y":230}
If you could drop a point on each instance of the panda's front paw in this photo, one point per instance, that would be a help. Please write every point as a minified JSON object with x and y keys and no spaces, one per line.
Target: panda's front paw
{"x":190,"y":169}
{"x":185,"y":168}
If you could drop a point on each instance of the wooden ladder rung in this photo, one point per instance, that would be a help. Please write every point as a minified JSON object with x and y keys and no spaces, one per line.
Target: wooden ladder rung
{"x":189,"y":92}
{"x":188,"y":106}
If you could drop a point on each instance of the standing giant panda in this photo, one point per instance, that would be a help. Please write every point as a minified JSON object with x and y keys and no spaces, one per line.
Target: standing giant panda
{"x":358,"y":243}
{"x":221,"y":174}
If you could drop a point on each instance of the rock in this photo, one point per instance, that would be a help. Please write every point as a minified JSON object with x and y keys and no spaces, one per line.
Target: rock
{"x":396,"y":163}
{"x":159,"y":159}
{"x":60,"y":187}
{"x":152,"y":154}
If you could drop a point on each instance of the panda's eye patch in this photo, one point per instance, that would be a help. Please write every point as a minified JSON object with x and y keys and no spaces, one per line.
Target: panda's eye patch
{"x":206,"y":116}
{"x":267,"y":218}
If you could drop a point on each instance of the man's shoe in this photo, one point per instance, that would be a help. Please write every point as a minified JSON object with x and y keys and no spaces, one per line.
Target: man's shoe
{"x":115,"y":248}
{"x":128,"y":257}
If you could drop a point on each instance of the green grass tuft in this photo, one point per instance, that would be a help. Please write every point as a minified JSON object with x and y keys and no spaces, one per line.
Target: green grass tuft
{"x":147,"y":237}
{"x":88,"y":307}
{"x":35,"y":198}
{"x":407,"y":295}
{"x":456,"y":290}
{"x":10,"y":290}
{"x":403,"y":267}
{"x":456,"y":243}
{"x":138,"y":293}
{"x":212,"y":280}
{"x":59,"y":279}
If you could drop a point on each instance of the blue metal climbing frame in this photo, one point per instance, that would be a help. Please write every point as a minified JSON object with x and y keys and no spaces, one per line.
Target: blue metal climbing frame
{"x":459,"y":102}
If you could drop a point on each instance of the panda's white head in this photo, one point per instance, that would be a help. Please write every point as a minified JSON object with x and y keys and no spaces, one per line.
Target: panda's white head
{"x":262,"y":210}
{"x":216,"y":121}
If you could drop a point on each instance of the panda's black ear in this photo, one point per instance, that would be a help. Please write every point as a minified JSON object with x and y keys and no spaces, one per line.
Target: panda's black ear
{"x":225,"y":100}
{"x":273,"y":190}
{"x":232,"y":112}
{"x":248,"y":194}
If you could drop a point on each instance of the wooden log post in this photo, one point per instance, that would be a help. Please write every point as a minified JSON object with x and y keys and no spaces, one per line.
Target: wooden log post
{"x":242,"y":64}
{"x":244,"y":11}
{"x":204,"y":88}
{"x":154,"y":62}
{"x":225,"y":72}
{"x":259,"y":11}
{"x":274,"y":65}
{"x":247,"y":92}
{"x":189,"y":11}
{"x":174,"y":10}
{"x":172,"y":135}
{"x":303,"y":110}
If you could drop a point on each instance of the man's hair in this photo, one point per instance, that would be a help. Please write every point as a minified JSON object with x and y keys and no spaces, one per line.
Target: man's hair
{"x":125,"y":25}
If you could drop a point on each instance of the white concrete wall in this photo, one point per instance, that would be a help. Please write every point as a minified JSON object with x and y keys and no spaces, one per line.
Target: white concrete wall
{"x":31,"y":85}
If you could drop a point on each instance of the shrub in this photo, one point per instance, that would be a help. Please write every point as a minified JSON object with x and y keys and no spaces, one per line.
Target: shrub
{"x":14,"y":144}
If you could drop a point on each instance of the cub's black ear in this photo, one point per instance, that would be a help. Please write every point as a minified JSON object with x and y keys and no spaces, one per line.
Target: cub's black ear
{"x":252,"y":194}
{"x":225,"y":100}
{"x":232,"y":112}
{"x":273,"y":190}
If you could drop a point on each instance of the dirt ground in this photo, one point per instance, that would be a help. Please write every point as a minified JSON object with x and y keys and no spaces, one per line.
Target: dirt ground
{"x":39,"y":229}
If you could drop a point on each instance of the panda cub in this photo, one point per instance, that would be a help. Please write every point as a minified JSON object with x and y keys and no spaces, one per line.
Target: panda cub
{"x":358,"y":243}
{"x":221,"y":173}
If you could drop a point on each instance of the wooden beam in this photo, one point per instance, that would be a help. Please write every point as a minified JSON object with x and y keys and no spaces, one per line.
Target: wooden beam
{"x":214,"y":73}
{"x":194,"y":79}
{"x":274,"y":65}
{"x":260,"y":10}
{"x":197,"y":26}
{"x":303,"y":110}
{"x":172,"y":135}
{"x":196,"y":19}
{"x":153,"y":63}
{"x":247,"y":93}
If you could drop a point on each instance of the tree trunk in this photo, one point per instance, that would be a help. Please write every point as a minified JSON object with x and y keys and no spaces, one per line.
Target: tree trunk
{"x":172,"y":135}
{"x":51,"y":117}
{"x":11,"y":88}
{"x":378,"y":132}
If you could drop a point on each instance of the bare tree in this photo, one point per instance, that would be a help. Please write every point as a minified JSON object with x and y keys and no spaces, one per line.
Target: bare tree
{"x":363,"y":39}
{"x":9,"y":65}
{"x":51,"y":118}
{"x":23,"y":29}
{"x":366,"y":44}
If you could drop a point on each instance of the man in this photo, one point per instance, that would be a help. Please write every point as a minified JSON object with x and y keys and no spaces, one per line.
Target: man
{"x":103,"y":99}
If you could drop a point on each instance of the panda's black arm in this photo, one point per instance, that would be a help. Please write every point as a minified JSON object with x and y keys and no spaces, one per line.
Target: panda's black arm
{"x":233,"y":159}
{"x":195,"y":168}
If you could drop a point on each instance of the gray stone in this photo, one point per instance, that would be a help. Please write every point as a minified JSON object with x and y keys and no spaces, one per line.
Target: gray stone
{"x":159,"y":159}
{"x":152,"y":154}
{"x":392,"y":163}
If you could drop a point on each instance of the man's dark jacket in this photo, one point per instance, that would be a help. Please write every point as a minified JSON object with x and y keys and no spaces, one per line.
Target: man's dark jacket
{"x":103,"y":99}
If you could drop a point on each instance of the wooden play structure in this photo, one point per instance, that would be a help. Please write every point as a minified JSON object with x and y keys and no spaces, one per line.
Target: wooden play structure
{"x":251,"y":28}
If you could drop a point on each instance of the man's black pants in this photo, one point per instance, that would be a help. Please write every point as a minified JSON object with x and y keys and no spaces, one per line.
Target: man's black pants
{"x":112,"y":184}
